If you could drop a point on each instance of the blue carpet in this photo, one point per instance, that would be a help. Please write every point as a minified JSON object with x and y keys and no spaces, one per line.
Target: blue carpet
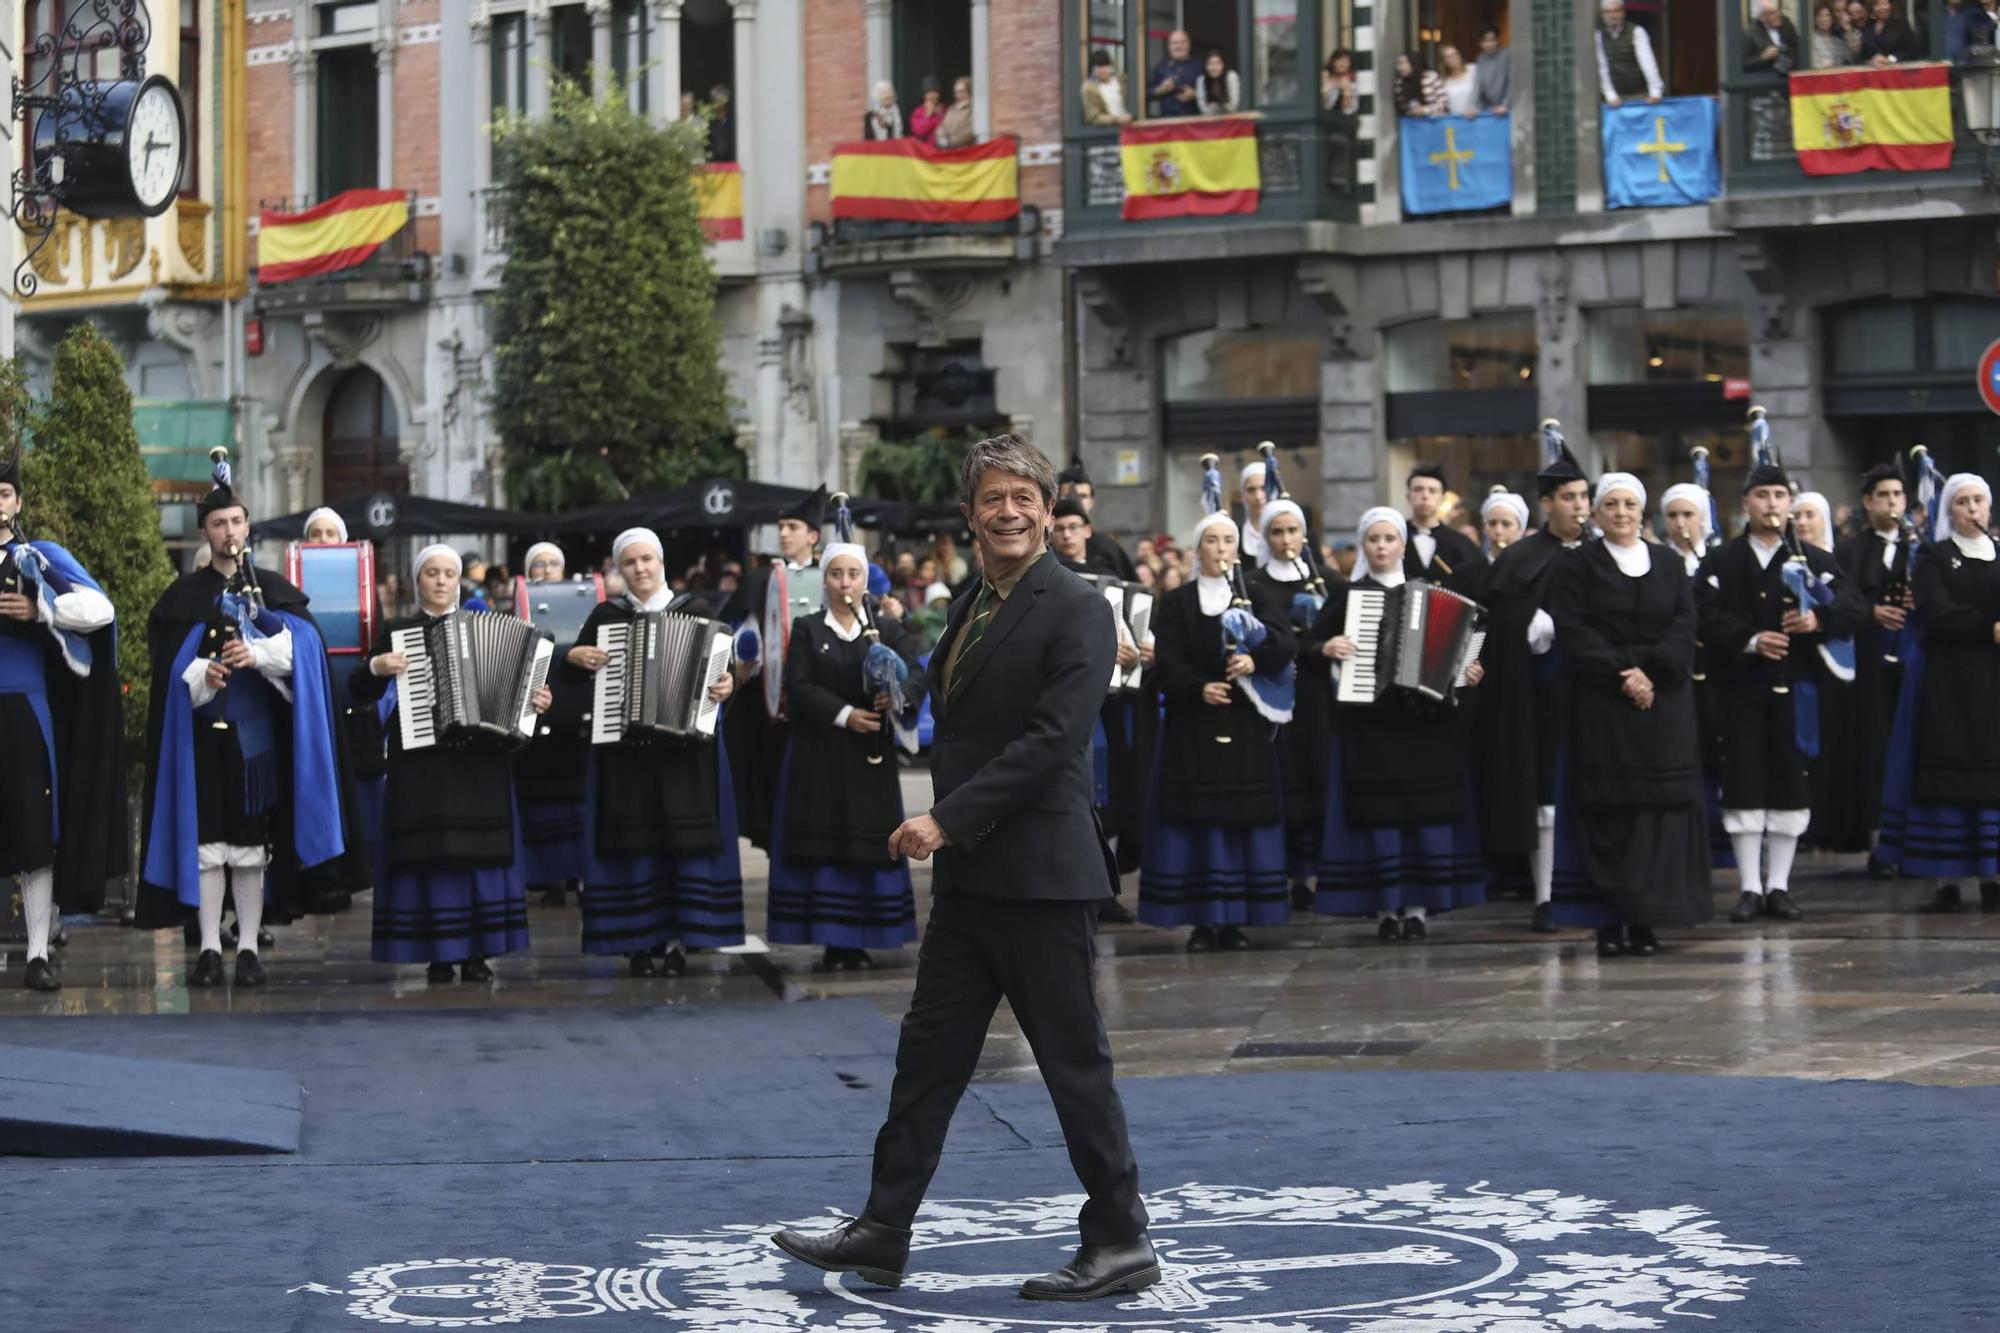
{"x":68,"y":1104}
{"x":628,"y":1164}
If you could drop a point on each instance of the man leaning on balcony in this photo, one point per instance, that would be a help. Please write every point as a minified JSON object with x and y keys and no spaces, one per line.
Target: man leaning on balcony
{"x":1625,"y":64}
{"x":1772,"y":44}
{"x":1176,"y":78}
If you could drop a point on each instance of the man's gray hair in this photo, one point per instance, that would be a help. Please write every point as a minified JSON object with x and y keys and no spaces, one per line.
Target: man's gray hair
{"x":1010,"y":454}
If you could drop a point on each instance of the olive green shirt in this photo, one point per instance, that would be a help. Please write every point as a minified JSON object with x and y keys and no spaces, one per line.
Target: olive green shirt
{"x":1001,"y":590}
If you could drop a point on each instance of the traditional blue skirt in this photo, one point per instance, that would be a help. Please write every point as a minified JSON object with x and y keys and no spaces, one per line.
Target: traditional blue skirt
{"x":552,"y":842}
{"x":640,"y":903}
{"x":1942,"y":841}
{"x":836,"y":906}
{"x":449,"y":916}
{"x":1211,"y":874}
{"x":1100,"y":765}
{"x":1365,"y":871}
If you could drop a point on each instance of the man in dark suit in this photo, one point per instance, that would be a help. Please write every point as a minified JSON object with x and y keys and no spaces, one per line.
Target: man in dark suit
{"x":1772,"y":44}
{"x":1021,"y":867}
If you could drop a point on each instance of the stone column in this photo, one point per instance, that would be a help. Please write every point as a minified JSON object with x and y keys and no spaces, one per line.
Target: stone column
{"x":664,"y":77}
{"x":880,"y":38}
{"x":305,"y":87}
{"x":541,"y":58}
{"x":982,"y":70}
{"x":600,"y":43}
{"x":385,"y":104}
{"x":1559,"y":371}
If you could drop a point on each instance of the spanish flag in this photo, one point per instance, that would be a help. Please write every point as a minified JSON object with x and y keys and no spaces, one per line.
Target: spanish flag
{"x":905,"y":180}
{"x":1892,"y":118}
{"x":720,"y":187}
{"x":1190,"y":168}
{"x":340,"y":233}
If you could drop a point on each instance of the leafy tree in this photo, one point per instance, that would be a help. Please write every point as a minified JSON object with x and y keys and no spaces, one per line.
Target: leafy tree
{"x":607,"y":361}
{"x":87,"y":488}
{"x":920,"y":471}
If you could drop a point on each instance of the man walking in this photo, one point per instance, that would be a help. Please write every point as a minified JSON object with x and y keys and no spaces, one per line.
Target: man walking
{"x":1021,"y":868}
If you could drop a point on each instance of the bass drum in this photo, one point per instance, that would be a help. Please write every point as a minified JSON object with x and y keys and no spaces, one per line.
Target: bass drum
{"x":777,"y":631}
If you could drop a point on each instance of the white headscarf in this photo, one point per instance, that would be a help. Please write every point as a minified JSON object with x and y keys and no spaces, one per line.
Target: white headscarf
{"x":1379,"y":514}
{"x":1275,"y":508}
{"x":638,"y":536}
{"x":1250,"y":470}
{"x":324,"y":512}
{"x":1508,"y":499}
{"x":1620,"y":481}
{"x":435,"y":549}
{"x":1694,"y":495}
{"x":1219,"y":518}
{"x":1956,"y":482}
{"x":834,"y":550}
{"x":528,"y":560}
{"x":1817,"y":501}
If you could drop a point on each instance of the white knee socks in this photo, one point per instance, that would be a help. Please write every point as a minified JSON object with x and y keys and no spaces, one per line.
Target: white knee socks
{"x":1784,"y":846}
{"x":214,"y":883}
{"x":247,"y":885}
{"x":38,"y":905}
{"x":1545,"y":864}
{"x":1749,"y":847}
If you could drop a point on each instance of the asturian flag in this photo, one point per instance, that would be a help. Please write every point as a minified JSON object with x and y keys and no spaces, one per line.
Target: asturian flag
{"x":1452,"y":164}
{"x":1660,"y":155}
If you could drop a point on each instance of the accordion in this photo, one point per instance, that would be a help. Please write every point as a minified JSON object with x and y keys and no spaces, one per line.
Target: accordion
{"x":473,"y":676}
{"x":1417,"y":639}
{"x":1132,"y":610}
{"x":657,"y":681}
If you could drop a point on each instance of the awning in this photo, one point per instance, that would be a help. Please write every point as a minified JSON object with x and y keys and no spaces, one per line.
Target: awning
{"x":381,"y":516}
{"x":726,"y":503}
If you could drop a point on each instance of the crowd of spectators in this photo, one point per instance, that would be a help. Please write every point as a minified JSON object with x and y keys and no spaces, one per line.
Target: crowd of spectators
{"x":933,"y":120}
{"x":1455,"y":88}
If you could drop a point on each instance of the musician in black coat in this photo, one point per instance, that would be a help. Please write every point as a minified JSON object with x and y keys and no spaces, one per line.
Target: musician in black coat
{"x":1877,"y":563}
{"x":663,"y":872}
{"x":1759,"y":643}
{"x":1435,"y":550}
{"x":1214,"y":858}
{"x":1941,"y":795}
{"x":448,"y":884}
{"x":840,"y":792}
{"x":551,"y":771}
{"x":1400,"y":840}
{"x":1632,"y":831}
{"x":1102,"y":555}
{"x":1017,"y":681}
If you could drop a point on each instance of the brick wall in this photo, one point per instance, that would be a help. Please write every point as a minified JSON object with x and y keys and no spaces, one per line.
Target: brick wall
{"x":268,"y":91}
{"x":417,"y":111}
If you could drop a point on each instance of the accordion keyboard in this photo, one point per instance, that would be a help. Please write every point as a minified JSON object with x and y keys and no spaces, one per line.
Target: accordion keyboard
{"x":1359,"y":683}
{"x":416,"y":719}
{"x":607,"y":709}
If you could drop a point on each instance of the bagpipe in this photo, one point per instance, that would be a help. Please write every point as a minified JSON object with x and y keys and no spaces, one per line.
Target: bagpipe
{"x":1310,"y":600}
{"x":1273,"y":694}
{"x":883,"y":670}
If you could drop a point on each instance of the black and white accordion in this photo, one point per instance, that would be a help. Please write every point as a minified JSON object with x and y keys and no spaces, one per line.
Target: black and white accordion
{"x":656,"y":684}
{"x":1418,"y":639}
{"x":472,"y":677}
{"x":1132,"y":609}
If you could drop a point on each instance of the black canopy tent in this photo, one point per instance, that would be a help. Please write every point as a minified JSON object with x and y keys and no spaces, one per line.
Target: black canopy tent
{"x":732,"y":504}
{"x":381,"y":516}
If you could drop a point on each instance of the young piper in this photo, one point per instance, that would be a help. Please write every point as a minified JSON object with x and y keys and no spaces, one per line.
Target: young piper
{"x":62,"y":808}
{"x":1504,"y":518}
{"x":663,"y":872}
{"x":551,"y":770}
{"x":840,"y":794}
{"x":1399,"y":841}
{"x":449,"y":889}
{"x":1877,"y":563}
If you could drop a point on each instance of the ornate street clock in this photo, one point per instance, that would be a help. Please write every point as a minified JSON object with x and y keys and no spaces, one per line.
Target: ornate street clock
{"x":114,"y":148}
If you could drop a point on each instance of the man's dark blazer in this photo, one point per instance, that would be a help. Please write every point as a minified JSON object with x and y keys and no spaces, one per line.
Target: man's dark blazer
{"x":1758,"y":40}
{"x":1010,"y":756}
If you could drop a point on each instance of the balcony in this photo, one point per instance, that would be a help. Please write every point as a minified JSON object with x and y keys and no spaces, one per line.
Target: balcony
{"x":395,"y":274}
{"x":1306,"y":169}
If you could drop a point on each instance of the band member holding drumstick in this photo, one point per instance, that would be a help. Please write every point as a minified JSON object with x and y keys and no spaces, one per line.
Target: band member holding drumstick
{"x":662,"y":873}
{"x":448,"y":887}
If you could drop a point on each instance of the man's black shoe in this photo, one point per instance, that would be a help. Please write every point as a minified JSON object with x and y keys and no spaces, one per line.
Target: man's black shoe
{"x":207,"y":970}
{"x":1749,"y":907}
{"x":1302,"y":896}
{"x":1989,"y":896}
{"x":1097,"y":1270}
{"x":1111,"y":912}
{"x":875,"y":1250}
{"x":1539,"y":922}
{"x":1946,"y":899}
{"x":1879,"y":869}
{"x":40,"y":976}
{"x":249,"y":972}
{"x":1779,"y":904}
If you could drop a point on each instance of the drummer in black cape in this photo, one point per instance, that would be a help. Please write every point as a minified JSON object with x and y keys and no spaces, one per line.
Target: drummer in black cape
{"x":1018,"y":679}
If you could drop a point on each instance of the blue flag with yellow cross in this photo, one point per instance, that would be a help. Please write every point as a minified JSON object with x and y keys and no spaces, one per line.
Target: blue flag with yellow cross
{"x":1452,"y":164}
{"x":1660,"y":155}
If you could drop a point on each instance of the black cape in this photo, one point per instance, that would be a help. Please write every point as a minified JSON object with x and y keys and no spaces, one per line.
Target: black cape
{"x":1517,"y":727}
{"x":755,"y":742}
{"x":1958,"y":712}
{"x":1218,"y":764}
{"x":1464,"y":565}
{"x":1851,"y":799}
{"x":1305,"y":744}
{"x":1101,"y":555}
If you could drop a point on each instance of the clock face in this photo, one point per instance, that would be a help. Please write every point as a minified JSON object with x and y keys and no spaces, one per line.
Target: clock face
{"x":153,"y":146}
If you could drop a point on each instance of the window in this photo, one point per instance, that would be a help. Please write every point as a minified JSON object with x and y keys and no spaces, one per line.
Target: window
{"x":1104,"y":30}
{"x":1627,"y":345}
{"x":1491,"y":352}
{"x":361,"y":454}
{"x":933,"y":40}
{"x":510,"y":64}
{"x":1274,"y":37}
{"x":1261,"y":363}
{"x":348,"y":123}
{"x":190,"y":90}
{"x":631,"y":37}
{"x":344,"y":20}
{"x":708,"y":51}
{"x":569,"y":29}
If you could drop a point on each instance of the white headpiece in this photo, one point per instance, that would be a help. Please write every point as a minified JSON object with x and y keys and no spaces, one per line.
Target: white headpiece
{"x":1506,"y":499}
{"x":1275,"y":508}
{"x":1620,"y":481}
{"x":1219,"y":519}
{"x":528,"y":560}
{"x":435,"y":549}
{"x":324,"y":512}
{"x":836,"y":549}
{"x":1380,"y":514}
{"x":1250,"y":470}
{"x":638,"y":536}
{"x":1817,"y":501}
{"x":1961,"y":481}
{"x":1694,"y":495}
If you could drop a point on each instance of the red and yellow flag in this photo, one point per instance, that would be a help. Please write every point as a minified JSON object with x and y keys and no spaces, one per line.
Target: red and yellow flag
{"x":903,"y":180}
{"x":1190,"y":168}
{"x":340,"y":233}
{"x":720,"y":188}
{"x":1892,"y":118}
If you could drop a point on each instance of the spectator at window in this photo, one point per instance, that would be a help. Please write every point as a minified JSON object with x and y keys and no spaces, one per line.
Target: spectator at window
{"x":1853,"y":22}
{"x":1219,"y":93}
{"x":688,"y":109}
{"x":1418,"y":91}
{"x":1829,"y":47}
{"x":1625,"y":64}
{"x":1338,"y":90}
{"x":1968,"y":25}
{"x":924,"y":121}
{"x":1887,"y":39}
{"x":1104,"y":93}
{"x":1461,"y":85}
{"x":1495,"y":71}
{"x":721,"y":125}
{"x":1176,"y":78}
{"x":1772,"y":45}
{"x":955,"y":130}
{"x":884,"y":118}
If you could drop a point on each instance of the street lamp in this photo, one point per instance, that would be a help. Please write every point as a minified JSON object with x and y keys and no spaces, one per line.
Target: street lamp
{"x":1980,"y":81}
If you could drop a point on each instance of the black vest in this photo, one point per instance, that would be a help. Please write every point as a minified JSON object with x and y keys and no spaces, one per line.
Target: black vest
{"x":1620,"y":53}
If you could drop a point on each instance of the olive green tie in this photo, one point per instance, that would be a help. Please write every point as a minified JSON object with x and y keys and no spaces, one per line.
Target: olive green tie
{"x":975,"y":630}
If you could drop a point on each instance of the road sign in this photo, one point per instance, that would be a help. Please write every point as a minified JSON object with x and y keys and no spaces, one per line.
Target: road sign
{"x":1989,"y":376}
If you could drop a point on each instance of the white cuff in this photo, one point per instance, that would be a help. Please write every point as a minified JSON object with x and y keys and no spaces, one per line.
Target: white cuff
{"x":840,"y":718}
{"x":1751,"y":646}
{"x":83,"y":610}
{"x":1541,"y":633}
{"x":196,"y":680}
{"x":273,"y":656}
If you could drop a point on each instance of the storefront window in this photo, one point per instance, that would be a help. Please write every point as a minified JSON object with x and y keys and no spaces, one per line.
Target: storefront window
{"x":1491,"y":352}
{"x":1627,"y":345}
{"x":1210,"y":365}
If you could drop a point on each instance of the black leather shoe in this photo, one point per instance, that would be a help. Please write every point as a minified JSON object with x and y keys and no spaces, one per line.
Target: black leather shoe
{"x":1879,"y":869}
{"x":265,"y":939}
{"x":207,"y":970}
{"x":1414,"y":928}
{"x":1302,"y":896}
{"x":554,"y":895}
{"x":1946,"y":899}
{"x":1388,"y":928}
{"x":438,"y":972}
{"x":1111,"y":912}
{"x":1540,"y":923}
{"x":673,"y":963}
{"x":40,"y":976}
{"x":1097,"y":1270}
{"x":1610,"y":941}
{"x":1201,"y":940}
{"x":640,"y":964}
{"x":1643,"y":941}
{"x":1748,"y":908}
{"x":859,"y":960}
{"x":1989,"y":896}
{"x":249,"y":972}
{"x":1232,"y":938}
{"x":1779,"y":904}
{"x":876,"y":1251}
{"x":474,"y":969}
